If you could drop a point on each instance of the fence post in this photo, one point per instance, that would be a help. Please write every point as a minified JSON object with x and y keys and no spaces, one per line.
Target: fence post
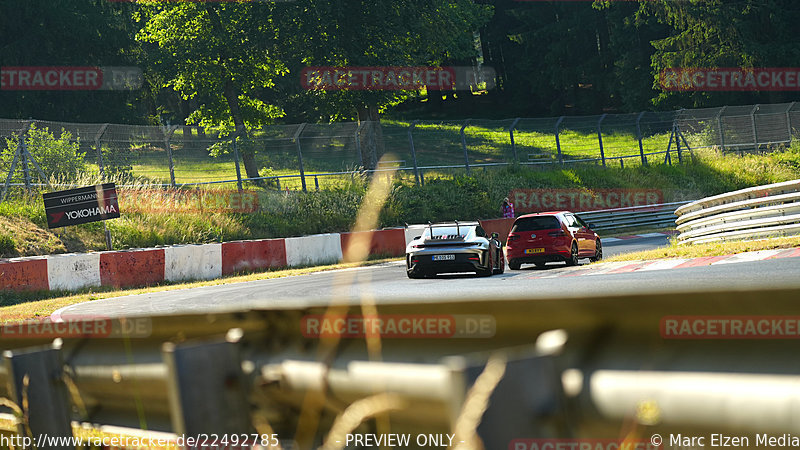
{"x":600,"y":139}
{"x":719,"y":127}
{"x":669,"y":146}
{"x":639,"y":137}
{"x":17,"y":155}
{"x":26,"y":173}
{"x":789,"y":122}
{"x":97,"y":145}
{"x":167,"y":138}
{"x":358,"y":144}
{"x":511,"y":135}
{"x":236,"y":159}
{"x":755,"y":129}
{"x":296,"y":140}
{"x":558,"y":141}
{"x":413,"y":150}
{"x":10,"y":174}
{"x":464,"y":144}
{"x":36,"y":166}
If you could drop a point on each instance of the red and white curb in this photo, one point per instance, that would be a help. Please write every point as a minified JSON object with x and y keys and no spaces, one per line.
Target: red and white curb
{"x":666,"y":264}
{"x":637,"y":236}
{"x":149,"y":266}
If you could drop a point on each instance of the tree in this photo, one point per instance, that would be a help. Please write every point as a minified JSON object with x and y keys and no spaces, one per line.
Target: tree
{"x":232,"y":54}
{"x":223,"y":53}
{"x":382,"y":33}
{"x":68,"y":33}
{"x":724,"y":33}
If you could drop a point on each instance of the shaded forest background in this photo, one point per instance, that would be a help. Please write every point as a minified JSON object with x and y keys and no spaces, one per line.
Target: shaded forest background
{"x":234,"y":65}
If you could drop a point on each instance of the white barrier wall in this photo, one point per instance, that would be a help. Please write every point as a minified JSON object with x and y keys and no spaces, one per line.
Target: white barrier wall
{"x":73,"y":271}
{"x":314,"y":249}
{"x":193,"y":262}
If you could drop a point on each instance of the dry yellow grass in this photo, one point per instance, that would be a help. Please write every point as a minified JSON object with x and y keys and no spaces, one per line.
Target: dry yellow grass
{"x":711,"y":249}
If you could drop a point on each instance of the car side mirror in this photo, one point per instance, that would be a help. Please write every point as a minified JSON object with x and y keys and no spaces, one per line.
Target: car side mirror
{"x":416,"y":237}
{"x":495,"y":235}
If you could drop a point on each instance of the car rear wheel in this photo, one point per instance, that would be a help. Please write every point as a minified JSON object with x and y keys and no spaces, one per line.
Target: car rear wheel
{"x":598,"y":253}
{"x":489,"y":270}
{"x":501,"y":263}
{"x":573,"y":258}
{"x":415,"y":274}
{"x":513,"y":264}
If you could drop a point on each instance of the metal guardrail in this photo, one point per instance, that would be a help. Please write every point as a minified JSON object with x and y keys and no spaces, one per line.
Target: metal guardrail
{"x":656,"y":216}
{"x":572,"y":366}
{"x":757,"y":212}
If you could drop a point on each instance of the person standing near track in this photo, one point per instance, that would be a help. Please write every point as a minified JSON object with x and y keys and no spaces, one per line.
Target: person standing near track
{"x":507,"y":209}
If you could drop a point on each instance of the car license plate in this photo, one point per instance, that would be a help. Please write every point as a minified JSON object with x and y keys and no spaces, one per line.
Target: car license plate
{"x":444,"y":257}
{"x":534,"y":250}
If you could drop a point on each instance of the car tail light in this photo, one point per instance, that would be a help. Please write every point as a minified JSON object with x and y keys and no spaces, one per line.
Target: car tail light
{"x":512,"y":238}
{"x":559,"y":233}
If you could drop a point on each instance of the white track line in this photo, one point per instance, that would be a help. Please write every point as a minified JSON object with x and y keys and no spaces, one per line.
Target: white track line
{"x":749,"y":256}
{"x":653,"y":235}
{"x":608,"y":267}
{"x":663,"y":264}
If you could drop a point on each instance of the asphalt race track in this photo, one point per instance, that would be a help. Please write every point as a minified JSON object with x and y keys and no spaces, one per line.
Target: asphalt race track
{"x":388,"y":283}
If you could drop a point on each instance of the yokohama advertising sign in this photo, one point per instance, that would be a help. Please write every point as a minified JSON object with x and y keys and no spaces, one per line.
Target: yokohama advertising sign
{"x":81,"y":205}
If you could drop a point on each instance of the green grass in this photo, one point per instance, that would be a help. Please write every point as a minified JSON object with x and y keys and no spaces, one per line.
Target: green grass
{"x":444,"y":196}
{"x":435,"y":145}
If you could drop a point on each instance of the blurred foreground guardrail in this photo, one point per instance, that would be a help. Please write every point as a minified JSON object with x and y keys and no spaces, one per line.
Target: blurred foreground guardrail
{"x":561,"y":367}
{"x":661,"y":215}
{"x":757,"y":212}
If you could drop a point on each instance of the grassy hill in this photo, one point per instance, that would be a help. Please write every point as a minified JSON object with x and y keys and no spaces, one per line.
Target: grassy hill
{"x":23,"y":229}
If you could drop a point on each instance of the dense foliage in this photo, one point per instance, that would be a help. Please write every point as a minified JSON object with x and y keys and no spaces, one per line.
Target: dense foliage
{"x":229,"y":64}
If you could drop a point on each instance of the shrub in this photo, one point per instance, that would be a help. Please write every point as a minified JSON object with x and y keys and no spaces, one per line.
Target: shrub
{"x":57,"y":157}
{"x":7,"y":245}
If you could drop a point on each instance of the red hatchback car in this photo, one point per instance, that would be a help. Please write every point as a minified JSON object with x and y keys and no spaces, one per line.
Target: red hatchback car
{"x":551,"y":236}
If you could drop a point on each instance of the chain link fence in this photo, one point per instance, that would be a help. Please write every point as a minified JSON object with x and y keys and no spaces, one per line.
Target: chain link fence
{"x":318,"y":156}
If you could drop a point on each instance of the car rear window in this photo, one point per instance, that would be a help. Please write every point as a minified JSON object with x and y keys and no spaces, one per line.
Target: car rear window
{"x":448,"y":232}
{"x":536,"y":223}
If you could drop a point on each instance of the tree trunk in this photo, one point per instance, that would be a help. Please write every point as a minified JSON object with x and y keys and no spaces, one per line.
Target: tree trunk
{"x":371,"y":135}
{"x":435,"y":100}
{"x":247,"y":153}
{"x":231,"y":94}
